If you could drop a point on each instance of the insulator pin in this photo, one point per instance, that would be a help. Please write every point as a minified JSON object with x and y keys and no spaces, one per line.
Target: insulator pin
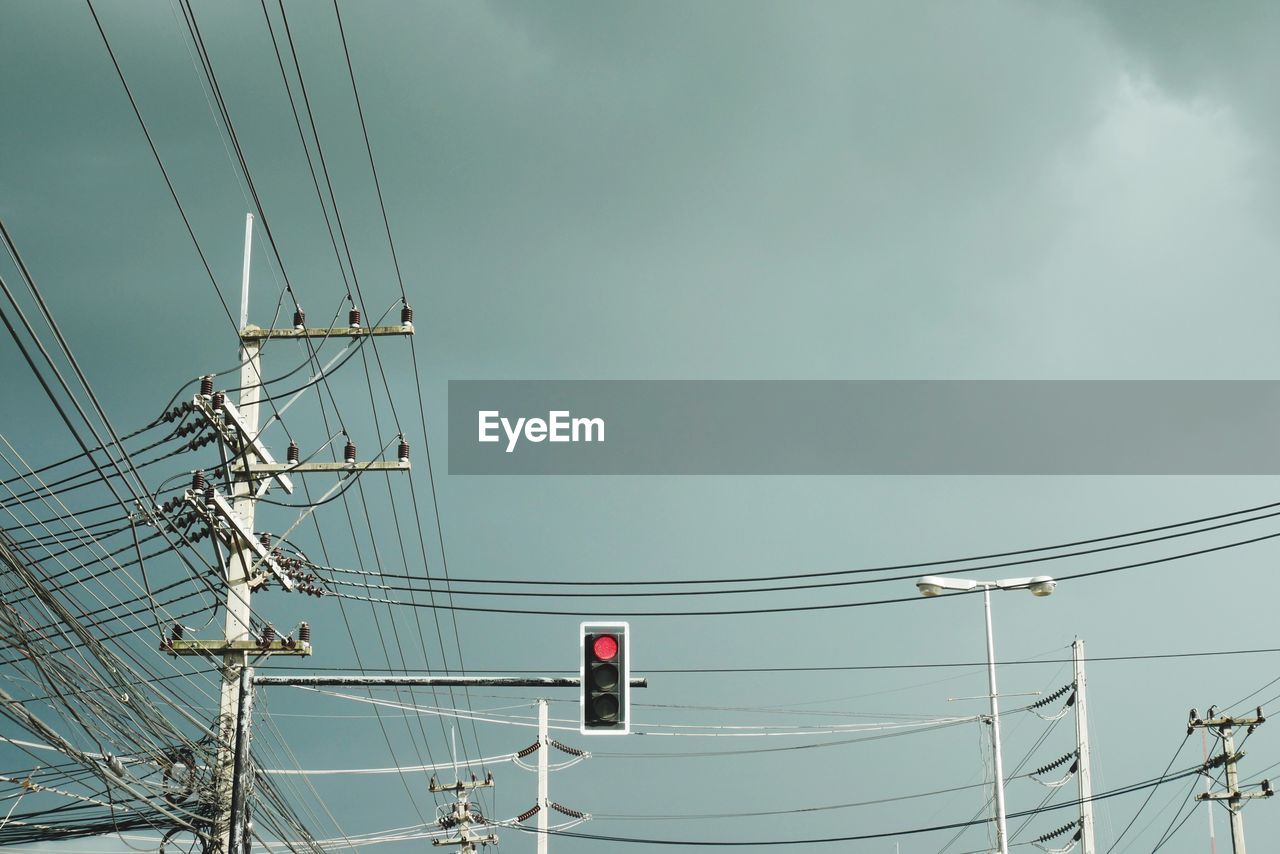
{"x":291,"y":455}
{"x":304,"y":633}
{"x":197,"y":481}
{"x":206,"y":385}
{"x":354,"y":318}
{"x":349,"y":453}
{"x":299,"y":318}
{"x":404,"y":451}
{"x":406,"y":315}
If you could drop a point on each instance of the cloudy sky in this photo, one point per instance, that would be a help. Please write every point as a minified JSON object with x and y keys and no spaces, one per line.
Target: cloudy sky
{"x":713,"y":190}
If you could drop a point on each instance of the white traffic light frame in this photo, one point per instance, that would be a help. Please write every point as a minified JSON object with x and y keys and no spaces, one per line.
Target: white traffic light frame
{"x":623,"y":632}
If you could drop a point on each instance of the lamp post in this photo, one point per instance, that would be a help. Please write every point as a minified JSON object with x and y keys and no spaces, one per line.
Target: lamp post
{"x":1040,"y":585}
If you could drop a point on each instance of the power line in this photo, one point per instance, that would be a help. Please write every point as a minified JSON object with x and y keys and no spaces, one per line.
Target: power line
{"x":833,"y":667}
{"x":797,"y":608}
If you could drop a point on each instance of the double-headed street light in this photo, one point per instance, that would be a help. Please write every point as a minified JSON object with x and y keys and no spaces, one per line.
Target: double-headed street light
{"x":1039,"y":585}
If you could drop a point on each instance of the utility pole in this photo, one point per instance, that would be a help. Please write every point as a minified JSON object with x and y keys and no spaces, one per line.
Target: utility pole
{"x":543,"y":802}
{"x":1208,"y":805}
{"x":544,"y":743}
{"x":1084,"y":777}
{"x":242,"y":781}
{"x":253,"y":558}
{"x":239,"y":614}
{"x":462,"y":816}
{"x":1225,"y":726}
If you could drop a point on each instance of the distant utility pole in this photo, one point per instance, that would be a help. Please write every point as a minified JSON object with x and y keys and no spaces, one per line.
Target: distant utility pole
{"x":1084,"y":776}
{"x":253,"y":559}
{"x":1225,"y":726}
{"x":463,"y":816}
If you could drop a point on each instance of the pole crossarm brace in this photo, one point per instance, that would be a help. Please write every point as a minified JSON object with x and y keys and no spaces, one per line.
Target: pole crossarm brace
{"x":235,"y":529}
{"x":279,"y":468}
{"x":254,"y":333}
{"x":239,"y":437}
{"x":442,"y":681}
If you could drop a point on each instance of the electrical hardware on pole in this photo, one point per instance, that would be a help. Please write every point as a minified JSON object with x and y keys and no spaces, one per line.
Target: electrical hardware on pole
{"x":253,"y":559}
{"x":1224,"y":727}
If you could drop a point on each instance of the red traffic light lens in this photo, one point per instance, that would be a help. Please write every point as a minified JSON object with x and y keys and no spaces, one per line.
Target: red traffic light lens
{"x":604,"y":647}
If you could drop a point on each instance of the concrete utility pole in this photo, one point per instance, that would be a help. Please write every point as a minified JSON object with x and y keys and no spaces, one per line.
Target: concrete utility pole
{"x":239,"y":614}
{"x":242,"y":780}
{"x":1083,"y":777}
{"x":544,"y":735}
{"x":252,"y":559}
{"x":1002,"y":828}
{"x":1225,"y":725}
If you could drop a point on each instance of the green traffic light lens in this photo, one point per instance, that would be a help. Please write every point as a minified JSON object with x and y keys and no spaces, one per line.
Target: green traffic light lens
{"x":605,"y":707}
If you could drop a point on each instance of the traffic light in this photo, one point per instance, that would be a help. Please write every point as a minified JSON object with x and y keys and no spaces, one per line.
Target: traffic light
{"x":606,"y":677}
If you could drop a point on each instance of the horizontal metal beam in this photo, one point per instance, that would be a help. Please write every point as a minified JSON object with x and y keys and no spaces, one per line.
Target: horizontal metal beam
{"x":442,"y":681}
{"x":277,"y":468}
{"x":253,"y":333}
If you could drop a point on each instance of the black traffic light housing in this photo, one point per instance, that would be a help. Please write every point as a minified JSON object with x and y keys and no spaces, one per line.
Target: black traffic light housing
{"x":605,"y":698}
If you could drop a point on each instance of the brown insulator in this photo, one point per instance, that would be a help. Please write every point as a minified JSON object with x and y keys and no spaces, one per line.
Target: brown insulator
{"x":197,"y":481}
{"x":217,"y":400}
{"x":268,"y":635}
{"x":404,"y":450}
{"x":265,"y":539}
{"x":209,"y":494}
{"x":176,"y":632}
{"x":304,"y":633}
{"x":206,"y":385}
{"x":291,"y":455}
{"x":406,"y":315}
{"x":289,"y":642}
{"x":353,"y":318}
{"x":299,"y":318}
{"x":349,"y":453}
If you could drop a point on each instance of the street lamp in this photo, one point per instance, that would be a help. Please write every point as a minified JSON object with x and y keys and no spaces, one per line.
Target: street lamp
{"x":1039,"y":585}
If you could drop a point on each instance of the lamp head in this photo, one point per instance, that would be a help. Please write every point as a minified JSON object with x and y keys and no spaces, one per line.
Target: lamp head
{"x":1042,"y":585}
{"x":928,"y":587}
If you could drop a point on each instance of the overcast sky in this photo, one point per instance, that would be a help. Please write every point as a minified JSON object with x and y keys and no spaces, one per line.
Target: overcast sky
{"x":713,"y":190}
